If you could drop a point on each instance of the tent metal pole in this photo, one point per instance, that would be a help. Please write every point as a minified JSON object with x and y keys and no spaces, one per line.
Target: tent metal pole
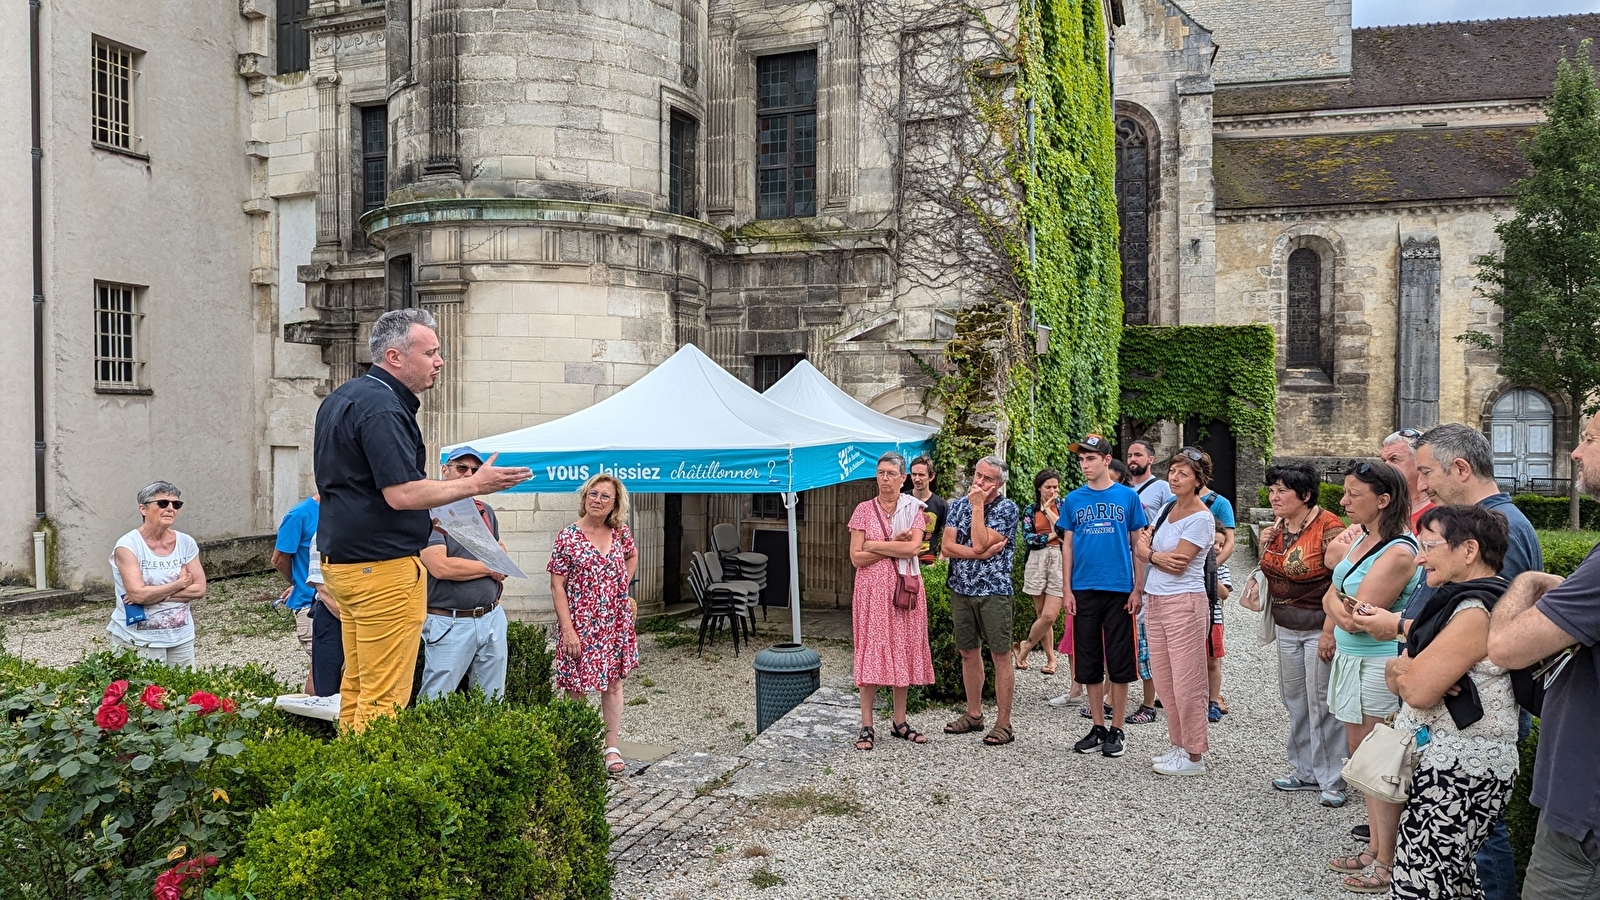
{"x":790,"y":500}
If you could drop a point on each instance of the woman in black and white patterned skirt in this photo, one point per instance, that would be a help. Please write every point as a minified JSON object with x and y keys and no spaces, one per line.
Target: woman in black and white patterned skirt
{"x":1457,"y":703}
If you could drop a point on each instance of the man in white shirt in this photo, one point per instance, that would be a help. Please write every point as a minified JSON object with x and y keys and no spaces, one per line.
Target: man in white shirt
{"x":1153,"y":492}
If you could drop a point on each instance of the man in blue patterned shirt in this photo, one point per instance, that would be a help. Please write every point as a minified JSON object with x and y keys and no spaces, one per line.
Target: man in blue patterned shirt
{"x":977,"y":540}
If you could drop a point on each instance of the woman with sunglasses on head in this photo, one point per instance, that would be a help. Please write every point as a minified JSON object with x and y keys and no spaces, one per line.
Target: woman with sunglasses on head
{"x":1380,"y":570}
{"x":591,"y":566}
{"x":157,"y":573}
{"x":1457,"y":703}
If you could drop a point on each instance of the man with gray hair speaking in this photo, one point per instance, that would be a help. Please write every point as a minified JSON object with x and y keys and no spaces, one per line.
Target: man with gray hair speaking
{"x":374,"y":520}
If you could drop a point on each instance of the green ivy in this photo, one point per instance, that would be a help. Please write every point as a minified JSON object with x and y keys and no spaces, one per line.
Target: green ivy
{"x":995,"y":390}
{"x":1204,"y":372}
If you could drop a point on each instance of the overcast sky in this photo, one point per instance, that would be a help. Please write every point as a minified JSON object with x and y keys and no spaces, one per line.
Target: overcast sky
{"x":1405,"y":12}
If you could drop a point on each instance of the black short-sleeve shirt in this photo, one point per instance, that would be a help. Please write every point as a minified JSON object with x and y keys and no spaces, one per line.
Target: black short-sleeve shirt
{"x":366,"y":440}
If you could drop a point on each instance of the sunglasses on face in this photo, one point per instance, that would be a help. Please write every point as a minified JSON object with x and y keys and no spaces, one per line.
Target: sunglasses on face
{"x":164,"y":503}
{"x":464,"y":468}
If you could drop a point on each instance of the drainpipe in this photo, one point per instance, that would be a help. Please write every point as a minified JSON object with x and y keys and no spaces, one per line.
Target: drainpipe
{"x":38,"y":264}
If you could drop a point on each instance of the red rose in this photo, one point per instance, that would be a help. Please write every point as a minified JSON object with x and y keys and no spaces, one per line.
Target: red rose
{"x":111,"y":716}
{"x":228,"y":705}
{"x":167,"y":890}
{"x":207,"y":702}
{"x":114,"y":692}
{"x":210,"y":861}
{"x":152,"y":696}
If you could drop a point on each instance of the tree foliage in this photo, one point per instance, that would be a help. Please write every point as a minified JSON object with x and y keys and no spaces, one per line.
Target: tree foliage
{"x":1547,"y":279}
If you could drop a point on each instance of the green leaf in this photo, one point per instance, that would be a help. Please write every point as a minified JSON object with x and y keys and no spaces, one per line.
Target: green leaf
{"x":69,"y":768}
{"x":141,"y":762}
{"x":230,"y":748}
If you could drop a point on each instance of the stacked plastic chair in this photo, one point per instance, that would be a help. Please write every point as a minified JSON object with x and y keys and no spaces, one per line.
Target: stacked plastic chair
{"x":738,"y":565}
{"x":721,"y":601}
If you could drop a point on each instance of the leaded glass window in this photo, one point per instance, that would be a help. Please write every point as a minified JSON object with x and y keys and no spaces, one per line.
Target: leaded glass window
{"x":1304,"y":331}
{"x":1133,"y":214}
{"x":786,"y":135}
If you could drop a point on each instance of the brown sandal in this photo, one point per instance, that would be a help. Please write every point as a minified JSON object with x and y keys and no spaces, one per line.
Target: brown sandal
{"x":1371,"y":884}
{"x":965,"y":725}
{"x":999,"y":735}
{"x":867,"y":736}
{"x":1352,"y":865}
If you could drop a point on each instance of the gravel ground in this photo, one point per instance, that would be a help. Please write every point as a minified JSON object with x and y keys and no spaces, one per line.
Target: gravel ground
{"x":958,"y":819}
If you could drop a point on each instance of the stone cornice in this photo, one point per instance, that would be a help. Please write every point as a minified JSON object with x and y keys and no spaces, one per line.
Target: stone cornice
{"x":524,"y":210}
{"x":1500,"y":112}
{"x":356,"y":18}
{"x":812,"y":241}
{"x":1360,"y":210}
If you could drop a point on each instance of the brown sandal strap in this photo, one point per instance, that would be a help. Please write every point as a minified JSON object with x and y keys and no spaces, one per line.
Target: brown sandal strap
{"x":1000,"y":734}
{"x":965,"y":725}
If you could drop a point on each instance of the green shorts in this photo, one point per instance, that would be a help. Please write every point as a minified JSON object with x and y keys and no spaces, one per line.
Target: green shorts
{"x":989,"y":616}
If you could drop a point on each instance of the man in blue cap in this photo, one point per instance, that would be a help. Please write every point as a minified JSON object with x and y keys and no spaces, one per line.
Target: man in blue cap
{"x":465,"y":631}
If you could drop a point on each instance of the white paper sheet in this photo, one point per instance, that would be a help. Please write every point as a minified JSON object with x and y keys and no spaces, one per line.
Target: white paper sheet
{"x":461,"y":521}
{"x":324,"y":708}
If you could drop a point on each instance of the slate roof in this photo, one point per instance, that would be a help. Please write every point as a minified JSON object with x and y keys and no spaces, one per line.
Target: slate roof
{"x":1449,"y":62}
{"x":1368,"y":167}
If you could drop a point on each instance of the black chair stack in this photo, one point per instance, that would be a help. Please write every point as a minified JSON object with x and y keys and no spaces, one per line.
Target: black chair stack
{"x":737,"y":564}
{"x":721,"y":601}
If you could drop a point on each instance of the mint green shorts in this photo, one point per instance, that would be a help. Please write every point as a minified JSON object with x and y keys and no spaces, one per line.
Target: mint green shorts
{"x":1356,"y":688}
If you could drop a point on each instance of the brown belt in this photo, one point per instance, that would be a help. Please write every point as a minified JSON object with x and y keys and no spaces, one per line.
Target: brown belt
{"x":475,"y":613}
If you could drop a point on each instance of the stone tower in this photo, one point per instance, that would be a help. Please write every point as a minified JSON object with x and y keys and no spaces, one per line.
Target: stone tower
{"x":1281,"y":41}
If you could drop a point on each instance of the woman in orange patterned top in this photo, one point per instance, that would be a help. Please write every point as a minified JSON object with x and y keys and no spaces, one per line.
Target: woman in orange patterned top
{"x":1297,"y":578}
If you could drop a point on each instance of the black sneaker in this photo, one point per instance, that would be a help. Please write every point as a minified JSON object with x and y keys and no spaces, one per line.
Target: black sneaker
{"x":1096,"y":736}
{"x":1113,"y":743}
{"x":1362,"y":832}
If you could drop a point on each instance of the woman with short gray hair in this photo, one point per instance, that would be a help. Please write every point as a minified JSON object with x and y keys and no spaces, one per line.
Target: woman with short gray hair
{"x":157,"y":573}
{"x":891,"y":643}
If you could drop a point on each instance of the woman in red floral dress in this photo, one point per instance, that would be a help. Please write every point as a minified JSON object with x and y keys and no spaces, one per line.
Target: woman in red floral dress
{"x":591,"y":565}
{"x":891,"y":644}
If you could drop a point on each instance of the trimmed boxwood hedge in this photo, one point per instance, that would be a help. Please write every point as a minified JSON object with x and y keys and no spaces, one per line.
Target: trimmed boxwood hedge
{"x":1556,"y":512}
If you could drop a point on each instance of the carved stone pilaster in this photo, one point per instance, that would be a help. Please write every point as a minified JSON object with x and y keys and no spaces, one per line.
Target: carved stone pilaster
{"x":444,"y":156}
{"x":843,"y":61}
{"x":398,"y":39}
{"x":439,"y":417}
{"x":721,"y":97}
{"x":328,"y":160}
{"x":1417,"y":340}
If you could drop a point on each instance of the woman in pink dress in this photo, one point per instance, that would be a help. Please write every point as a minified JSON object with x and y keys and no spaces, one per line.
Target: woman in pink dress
{"x":590,"y":568}
{"x":891,"y":644}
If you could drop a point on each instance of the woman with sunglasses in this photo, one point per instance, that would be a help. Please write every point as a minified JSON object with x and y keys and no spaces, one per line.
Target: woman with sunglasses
{"x":1379,"y":570}
{"x":157,"y":573}
{"x":1457,"y":703}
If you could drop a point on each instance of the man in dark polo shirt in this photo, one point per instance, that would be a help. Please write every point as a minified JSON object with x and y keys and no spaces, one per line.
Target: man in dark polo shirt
{"x":1541,"y":617}
{"x":466,"y":628}
{"x":374,"y":517}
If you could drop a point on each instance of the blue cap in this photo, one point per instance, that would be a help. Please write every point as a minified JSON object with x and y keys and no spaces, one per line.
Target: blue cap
{"x":459,"y":452}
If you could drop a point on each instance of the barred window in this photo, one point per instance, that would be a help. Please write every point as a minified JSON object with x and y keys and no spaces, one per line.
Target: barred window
{"x":112,"y":105}
{"x":681,"y":197}
{"x":118,"y":319}
{"x":374,"y":156}
{"x":786,"y":140}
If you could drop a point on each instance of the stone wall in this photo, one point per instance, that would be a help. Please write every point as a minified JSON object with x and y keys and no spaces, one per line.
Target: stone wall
{"x":1284,"y":40}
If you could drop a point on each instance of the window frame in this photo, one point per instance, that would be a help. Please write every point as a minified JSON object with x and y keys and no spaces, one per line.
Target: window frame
{"x":683,"y":188}
{"x":131,"y":335}
{"x":293,"y":50}
{"x":104,"y":129}
{"x":789,"y":113}
{"x":1135,"y":141}
{"x":367,"y":156}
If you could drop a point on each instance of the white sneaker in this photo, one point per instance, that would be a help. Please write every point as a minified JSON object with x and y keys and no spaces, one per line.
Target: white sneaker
{"x":1065,"y":700}
{"x":1180,"y":765}
{"x":1171,"y":752}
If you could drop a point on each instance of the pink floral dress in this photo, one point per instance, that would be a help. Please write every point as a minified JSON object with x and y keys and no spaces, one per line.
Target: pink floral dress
{"x":891,"y":645}
{"x":596,"y":585}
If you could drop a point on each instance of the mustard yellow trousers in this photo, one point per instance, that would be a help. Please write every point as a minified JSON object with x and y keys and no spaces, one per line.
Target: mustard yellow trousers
{"x":382,"y":606}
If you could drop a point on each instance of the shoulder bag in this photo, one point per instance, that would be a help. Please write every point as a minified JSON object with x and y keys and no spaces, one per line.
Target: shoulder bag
{"x":1382,"y":767}
{"x":1266,"y":629}
{"x":907,"y":587}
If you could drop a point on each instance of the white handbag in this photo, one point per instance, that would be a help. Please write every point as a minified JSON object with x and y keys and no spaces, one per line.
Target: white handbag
{"x":1266,"y":629}
{"x":1384,"y":764}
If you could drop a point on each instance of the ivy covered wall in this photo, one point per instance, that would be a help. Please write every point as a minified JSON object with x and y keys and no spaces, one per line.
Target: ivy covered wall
{"x":997,"y":391}
{"x":1205,"y":372}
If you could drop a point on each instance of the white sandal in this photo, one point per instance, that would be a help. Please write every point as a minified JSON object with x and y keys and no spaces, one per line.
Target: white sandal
{"x":614,"y":769}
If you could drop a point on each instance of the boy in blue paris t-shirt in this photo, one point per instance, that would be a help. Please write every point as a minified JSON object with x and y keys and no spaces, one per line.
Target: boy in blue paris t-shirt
{"x":1099,"y":522}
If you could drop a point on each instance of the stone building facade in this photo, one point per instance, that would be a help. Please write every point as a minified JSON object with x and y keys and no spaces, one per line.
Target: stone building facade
{"x":1338,"y":184}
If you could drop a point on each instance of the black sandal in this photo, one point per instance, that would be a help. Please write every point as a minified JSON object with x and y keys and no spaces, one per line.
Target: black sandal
{"x":867,"y":736}
{"x":905,"y":732}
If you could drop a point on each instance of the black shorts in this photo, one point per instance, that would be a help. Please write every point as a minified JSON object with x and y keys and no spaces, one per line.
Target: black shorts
{"x":1102,"y":639}
{"x":327,"y":651}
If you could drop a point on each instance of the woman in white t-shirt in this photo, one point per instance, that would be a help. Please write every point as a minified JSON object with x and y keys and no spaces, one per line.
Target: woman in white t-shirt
{"x":157,"y":572}
{"x":1177,"y":616}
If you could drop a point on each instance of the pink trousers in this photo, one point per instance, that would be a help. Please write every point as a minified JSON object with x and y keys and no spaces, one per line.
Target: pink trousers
{"x":1177,"y":625}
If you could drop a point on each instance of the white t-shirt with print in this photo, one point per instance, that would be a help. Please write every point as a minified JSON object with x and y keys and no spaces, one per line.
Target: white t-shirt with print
{"x":1198,"y":528}
{"x":166,"y":624}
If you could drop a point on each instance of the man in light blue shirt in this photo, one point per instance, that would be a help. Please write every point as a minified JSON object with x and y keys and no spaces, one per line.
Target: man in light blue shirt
{"x":291,"y":556}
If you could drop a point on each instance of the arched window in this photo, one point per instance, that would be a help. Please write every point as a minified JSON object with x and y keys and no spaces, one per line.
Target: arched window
{"x":1304,"y":332}
{"x":1133,"y":214}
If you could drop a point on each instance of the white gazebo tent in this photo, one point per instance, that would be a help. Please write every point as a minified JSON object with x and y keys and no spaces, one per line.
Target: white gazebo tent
{"x":688,"y":426}
{"x":809,"y":393}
